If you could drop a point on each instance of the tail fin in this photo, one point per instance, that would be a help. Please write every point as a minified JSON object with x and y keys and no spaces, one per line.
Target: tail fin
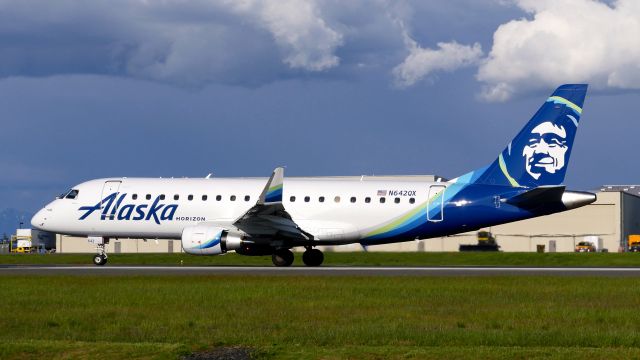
{"x":539,"y":154}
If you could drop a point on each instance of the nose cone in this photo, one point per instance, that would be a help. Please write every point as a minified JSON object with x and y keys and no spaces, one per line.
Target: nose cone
{"x":576,"y":199}
{"x":38,"y":220}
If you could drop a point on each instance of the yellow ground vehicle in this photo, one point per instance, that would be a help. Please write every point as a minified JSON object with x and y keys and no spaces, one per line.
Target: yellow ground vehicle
{"x":585,"y":246}
{"x":486,"y":242}
{"x":633,"y":243}
{"x":21,"y":242}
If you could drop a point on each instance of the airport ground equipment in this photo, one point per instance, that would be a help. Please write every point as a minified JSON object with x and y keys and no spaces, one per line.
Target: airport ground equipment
{"x":634,"y":243}
{"x":486,"y":242}
{"x":585,"y":246}
{"x":21,"y":242}
{"x":31,"y":241}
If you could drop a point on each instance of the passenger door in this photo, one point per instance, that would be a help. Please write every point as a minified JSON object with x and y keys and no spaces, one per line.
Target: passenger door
{"x":435,"y":206}
{"x":110,"y":187}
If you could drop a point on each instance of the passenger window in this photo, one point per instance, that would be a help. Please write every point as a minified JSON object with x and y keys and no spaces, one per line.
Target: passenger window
{"x":292,"y":199}
{"x":72,"y":194}
{"x":247,"y":198}
{"x":412,"y":200}
{"x":162,"y":197}
{"x":353,"y":199}
{"x":176,"y":197}
{"x":204,"y":197}
{"x":321,"y":199}
{"x":134,"y":196}
{"x":148,"y":196}
{"x":396,"y":200}
{"x":190,"y":197}
{"x":233,"y":198}
{"x":218,"y":197}
{"x":306,"y":199}
{"x":367,"y":199}
{"x":337,"y":199}
{"x":382,"y":200}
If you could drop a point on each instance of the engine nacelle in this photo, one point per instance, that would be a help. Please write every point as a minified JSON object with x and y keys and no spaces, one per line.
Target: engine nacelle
{"x":209,"y":240}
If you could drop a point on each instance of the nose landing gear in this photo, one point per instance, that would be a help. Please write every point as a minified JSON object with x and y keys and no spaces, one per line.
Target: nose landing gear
{"x":101,"y":257}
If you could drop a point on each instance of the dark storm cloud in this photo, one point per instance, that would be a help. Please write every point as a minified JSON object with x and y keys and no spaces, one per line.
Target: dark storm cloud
{"x":176,"y":42}
{"x":246,"y":42}
{"x":196,"y":42}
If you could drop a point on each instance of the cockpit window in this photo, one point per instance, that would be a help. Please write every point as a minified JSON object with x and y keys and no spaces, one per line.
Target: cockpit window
{"x":72,"y":194}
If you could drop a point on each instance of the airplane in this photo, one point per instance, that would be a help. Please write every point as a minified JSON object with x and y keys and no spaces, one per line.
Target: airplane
{"x":270,"y":216}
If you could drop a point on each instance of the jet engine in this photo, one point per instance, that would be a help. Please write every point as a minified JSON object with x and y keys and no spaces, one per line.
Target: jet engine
{"x":209,"y":240}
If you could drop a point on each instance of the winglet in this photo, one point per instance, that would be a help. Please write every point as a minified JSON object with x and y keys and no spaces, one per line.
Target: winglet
{"x":273,"y":190}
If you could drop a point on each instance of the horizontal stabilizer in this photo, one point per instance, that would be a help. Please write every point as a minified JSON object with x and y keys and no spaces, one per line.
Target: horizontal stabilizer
{"x":539,"y":196}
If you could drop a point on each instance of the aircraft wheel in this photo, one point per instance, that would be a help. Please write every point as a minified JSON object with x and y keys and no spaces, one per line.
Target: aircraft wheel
{"x":282,"y":257}
{"x":99,"y":259}
{"x":313,"y":257}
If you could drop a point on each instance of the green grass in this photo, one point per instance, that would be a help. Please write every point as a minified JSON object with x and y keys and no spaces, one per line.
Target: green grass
{"x":298,"y":317}
{"x":350,"y":258}
{"x":61,"y":349}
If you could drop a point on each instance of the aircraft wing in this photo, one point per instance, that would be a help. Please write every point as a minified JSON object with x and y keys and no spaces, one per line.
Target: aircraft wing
{"x":268,"y":217}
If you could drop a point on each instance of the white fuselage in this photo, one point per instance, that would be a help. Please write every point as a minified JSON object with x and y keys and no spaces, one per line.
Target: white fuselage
{"x":335,"y":210}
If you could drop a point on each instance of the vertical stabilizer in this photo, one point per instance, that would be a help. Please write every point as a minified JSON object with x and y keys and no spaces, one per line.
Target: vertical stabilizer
{"x":539,"y":154}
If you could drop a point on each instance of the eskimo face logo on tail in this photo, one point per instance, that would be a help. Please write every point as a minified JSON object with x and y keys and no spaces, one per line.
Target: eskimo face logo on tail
{"x":540,"y":153}
{"x":546,"y":149}
{"x":112,"y":209}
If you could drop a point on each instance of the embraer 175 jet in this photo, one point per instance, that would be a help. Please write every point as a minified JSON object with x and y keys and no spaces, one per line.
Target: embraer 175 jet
{"x":260,"y":216}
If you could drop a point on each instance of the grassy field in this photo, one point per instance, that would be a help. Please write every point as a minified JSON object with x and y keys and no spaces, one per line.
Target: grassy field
{"x":351,"y":258}
{"x":297,"y":317}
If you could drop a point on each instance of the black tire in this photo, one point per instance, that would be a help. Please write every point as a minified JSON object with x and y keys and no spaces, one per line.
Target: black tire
{"x":313,"y":257}
{"x":99,"y":259}
{"x":282,"y":257}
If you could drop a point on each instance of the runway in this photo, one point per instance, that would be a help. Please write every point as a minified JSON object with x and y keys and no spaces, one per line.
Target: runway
{"x":13,"y":270}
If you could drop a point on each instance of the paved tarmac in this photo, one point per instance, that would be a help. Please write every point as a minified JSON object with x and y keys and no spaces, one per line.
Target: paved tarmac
{"x":318,"y":271}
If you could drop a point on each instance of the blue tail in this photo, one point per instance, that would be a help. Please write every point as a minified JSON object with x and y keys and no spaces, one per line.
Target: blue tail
{"x":539,"y":154}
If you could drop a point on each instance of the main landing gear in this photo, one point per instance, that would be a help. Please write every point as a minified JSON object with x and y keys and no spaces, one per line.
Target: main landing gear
{"x":284,"y":257}
{"x":312,"y":257}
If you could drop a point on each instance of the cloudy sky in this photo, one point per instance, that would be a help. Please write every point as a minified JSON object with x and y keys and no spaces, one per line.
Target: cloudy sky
{"x":236,"y":87}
